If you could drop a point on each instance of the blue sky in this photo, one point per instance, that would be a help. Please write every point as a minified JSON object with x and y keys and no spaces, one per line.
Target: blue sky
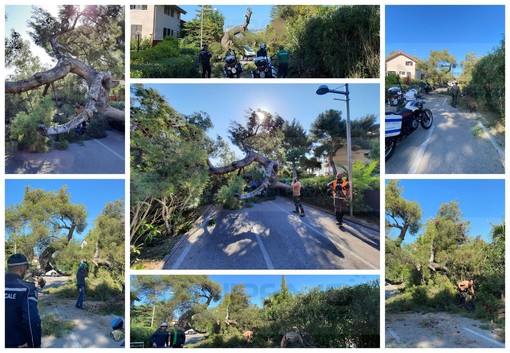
{"x":226,"y":102}
{"x":234,"y":15}
{"x":94,"y":194}
{"x":459,"y":28}
{"x":259,"y":287}
{"x":482,"y":202}
{"x":17,"y":17}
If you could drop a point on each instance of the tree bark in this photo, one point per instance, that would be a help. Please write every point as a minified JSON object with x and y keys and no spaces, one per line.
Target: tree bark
{"x":226,"y":40}
{"x":270,"y":171}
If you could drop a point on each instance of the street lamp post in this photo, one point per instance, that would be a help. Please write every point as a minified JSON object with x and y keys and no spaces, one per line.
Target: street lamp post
{"x":323,"y":89}
{"x":201,"y":25}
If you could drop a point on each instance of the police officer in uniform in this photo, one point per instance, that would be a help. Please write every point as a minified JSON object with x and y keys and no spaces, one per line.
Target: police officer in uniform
{"x":22,"y":321}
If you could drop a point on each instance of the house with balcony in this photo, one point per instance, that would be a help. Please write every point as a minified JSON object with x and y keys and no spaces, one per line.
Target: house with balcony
{"x":155,"y":21}
{"x":404,"y":65}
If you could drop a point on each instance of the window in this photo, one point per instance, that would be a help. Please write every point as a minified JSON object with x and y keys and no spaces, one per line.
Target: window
{"x":402,"y":73}
{"x":138,"y":7}
{"x":392,"y":72}
{"x":167,"y":32}
{"x":166,"y":10}
{"x":172,"y":13}
{"x":409,"y":63}
{"x":134,"y":30}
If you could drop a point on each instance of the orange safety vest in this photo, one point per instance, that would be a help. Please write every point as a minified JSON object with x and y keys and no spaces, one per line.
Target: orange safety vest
{"x":345,"y":186}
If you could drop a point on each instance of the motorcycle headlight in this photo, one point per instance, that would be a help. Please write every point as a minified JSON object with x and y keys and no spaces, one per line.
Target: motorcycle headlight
{"x":262,"y":74}
{"x":234,"y":70}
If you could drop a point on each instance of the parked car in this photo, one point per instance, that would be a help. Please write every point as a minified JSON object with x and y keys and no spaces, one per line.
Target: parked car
{"x":249,"y":54}
{"x":52,"y":273}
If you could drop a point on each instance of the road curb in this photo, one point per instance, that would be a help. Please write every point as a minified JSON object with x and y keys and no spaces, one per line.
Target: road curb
{"x":177,"y":249}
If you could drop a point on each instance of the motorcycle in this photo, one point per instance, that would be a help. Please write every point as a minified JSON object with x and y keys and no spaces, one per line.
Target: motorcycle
{"x":232,"y":68}
{"x":264,"y":68}
{"x":405,"y":121}
{"x":117,"y":334}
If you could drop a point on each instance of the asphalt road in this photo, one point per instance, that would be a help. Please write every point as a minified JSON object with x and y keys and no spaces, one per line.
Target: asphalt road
{"x":97,"y":156}
{"x":450,"y":146}
{"x":270,"y":236}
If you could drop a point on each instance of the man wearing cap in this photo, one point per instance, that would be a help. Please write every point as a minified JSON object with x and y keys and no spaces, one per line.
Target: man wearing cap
{"x":22,"y":321}
{"x":205,"y":59}
{"x":340,"y":190}
{"x":160,"y":337}
{"x":80,"y":284}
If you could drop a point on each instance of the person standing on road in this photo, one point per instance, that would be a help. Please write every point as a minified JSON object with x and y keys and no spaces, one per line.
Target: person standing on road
{"x":205,"y":60}
{"x":455,"y":94}
{"x":80,"y":284}
{"x":296,"y":194}
{"x":177,"y":337}
{"x":292,"y":339}
{"x":22,"y":321}
{"x":283,"y":62}
{"x":464,"y":287}
{"x":159,"y":338}
{"x":340,"y":187}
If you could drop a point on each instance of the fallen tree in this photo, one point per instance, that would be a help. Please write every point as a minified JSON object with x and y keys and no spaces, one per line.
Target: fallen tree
{"x":99,"y":82}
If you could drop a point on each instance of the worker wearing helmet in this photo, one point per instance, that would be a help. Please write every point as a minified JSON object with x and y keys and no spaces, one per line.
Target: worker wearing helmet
{"x":263,"y":50}
{"x":160,"y":337}
{"x":80,"y":283}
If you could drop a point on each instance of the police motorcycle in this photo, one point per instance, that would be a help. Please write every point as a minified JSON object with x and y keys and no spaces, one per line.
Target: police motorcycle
{"x":264,"y":68}
{"x":232,"y":68}
{"x":409,"y":115}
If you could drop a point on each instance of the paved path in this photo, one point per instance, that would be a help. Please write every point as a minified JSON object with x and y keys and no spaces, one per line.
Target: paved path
{"x":270,"y":236}
{"x":97,"y":156}
{"x":455,"y":144}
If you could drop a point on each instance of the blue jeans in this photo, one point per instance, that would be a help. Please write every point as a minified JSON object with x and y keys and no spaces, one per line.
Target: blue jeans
{"x":81,"y":295}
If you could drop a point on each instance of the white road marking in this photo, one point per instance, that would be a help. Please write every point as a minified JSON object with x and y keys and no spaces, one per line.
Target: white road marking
{"x":445,"y":100}
{"x":109,"y":149}
{"x":71,"y":335}
{"x":336,"y":244}
{"x":265,"y":254}
{"x":499,"y":344}
{"x":392,"y":333}
{"x":499,"y":150}
{"x":421,"y":152}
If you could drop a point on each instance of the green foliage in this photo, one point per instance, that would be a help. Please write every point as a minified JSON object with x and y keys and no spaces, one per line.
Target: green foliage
{"x":206,"y":25}
{"x":168,"y":164}
{"x":487,"y":85}
{"x":180,"y":66}
{"x":25,"y":126}
{"x":144,"y":44}
{"x":338,"y":41}
{"x":228,"y":195}
{"x":97,"y":127}
{"x":62,"y":145}
{"x":169,"y":47}
{"x":141,"y":334}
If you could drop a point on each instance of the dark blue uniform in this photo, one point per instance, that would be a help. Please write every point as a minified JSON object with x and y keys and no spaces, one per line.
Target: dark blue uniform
{"x":22,"y":321}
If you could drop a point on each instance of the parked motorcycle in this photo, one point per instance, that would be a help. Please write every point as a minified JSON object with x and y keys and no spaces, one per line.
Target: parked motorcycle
{"x":233,"y":68}
{"x":401,"y":124}
{"x":264,"y":68}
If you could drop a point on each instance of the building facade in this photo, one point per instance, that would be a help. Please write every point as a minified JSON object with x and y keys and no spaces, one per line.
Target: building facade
{"x":155,"y":21}
{"x":402,"y":64}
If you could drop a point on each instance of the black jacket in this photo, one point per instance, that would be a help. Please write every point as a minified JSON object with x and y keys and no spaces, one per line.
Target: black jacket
{"x":22,"y":321}
{"x":181,"y":338}
{"x":160,"y":337}
{"x":80,"y":277}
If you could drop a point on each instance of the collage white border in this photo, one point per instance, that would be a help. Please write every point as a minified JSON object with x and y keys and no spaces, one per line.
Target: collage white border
{"x":405,"y":26}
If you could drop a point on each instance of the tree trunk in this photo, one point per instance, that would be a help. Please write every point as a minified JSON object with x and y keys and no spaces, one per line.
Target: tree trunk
{"x":402,"y":235}
{"x":226,"y":40}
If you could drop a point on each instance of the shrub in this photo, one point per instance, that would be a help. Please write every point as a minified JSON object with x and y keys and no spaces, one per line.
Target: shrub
{"x":25,"y":126}
{"x":169,"y":47}
{"x":97,"y":127}
{"x":228,"y":195}
{"x":141,"y":334}
{"x":62,"y":145}
{"x":181,"y":66}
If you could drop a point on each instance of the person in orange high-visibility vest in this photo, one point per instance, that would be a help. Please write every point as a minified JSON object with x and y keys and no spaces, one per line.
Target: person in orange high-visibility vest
{"x":340,"y":188}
